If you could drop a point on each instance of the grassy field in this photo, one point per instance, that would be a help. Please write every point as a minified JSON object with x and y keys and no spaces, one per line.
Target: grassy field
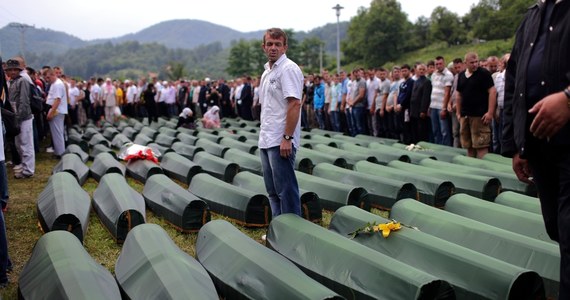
{"x":23,"y":228}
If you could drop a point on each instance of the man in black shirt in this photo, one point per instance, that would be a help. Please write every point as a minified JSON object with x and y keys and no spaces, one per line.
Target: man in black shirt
{"x":475,"y":106}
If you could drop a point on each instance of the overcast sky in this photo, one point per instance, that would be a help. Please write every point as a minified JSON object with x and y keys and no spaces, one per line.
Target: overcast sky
{"x":113,"y":18}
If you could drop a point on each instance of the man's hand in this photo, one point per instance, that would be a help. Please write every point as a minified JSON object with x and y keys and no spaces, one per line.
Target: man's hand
{"x":552,"y":113}
{"x":487,"y":118}
{"x":522,"y":169}
{"x":286,"y":148}
{"x":443,"y":114}
{"x":398,"y":108}
{"x":423,"y":115}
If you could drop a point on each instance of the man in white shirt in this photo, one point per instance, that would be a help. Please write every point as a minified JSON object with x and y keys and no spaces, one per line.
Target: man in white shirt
{"x":281,"y":91}
{"x":57,"y":98}
{"x":372,"y":83}
{"x":73,"y":96}
{"x":132,"y":94}
{"x":441,"y":81}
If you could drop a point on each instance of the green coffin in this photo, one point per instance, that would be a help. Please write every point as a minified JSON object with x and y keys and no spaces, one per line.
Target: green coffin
{"x":151,"y":266}
{"x":327,"y":133}
{"x":118,"y":205}
{"x":509,"y":182}
{"x":105,"y":163}
{"x":90,"y":132}
{"x":519,"y":201}
{"x":186,"y":150}
{"x":241,"y":268}
{"x":179,"y":167}
{"x":168,"y":131}
{"x":382,"y":157}
{"x":479,"y":186}
{"x":212,"y":147}
{"x":415,"y":156}
{"x":119,"y":140}
{"x":246,"y":161}
{"x":310,"y":202}
{"x":143,"y":139}
{"x":306,"y":159}
{"x":185,"y":211}
{"x":64,"y":205}
{"x":216,"y":166}
{"x":187,"y":138}
{"x":60,"y":268}
{"x":483,"y":164}
{"x":314,"y":139}
{"x":432,"y":191}
{"x":79,"y":151}
{"x":75,"y":139}
{"x":348,"y":268}
{"x":349,"y":139}
{"x":383,"y":192}
{"x":246,"y":207}
{"x":472,"y":274}
{"x":249,"y":135}
{"x":235,"y":144}
{"x":369,"y":138}
{"x":437,"y":147}
{"x":186,"y":131}
{"x":72,"y":164}
{"x":439,"y":155}
{"x":510,"y":247}
{"x":515,"y":220}
{"x":230,"y":135}
{"x":208,"y":136}
{"x":332,"y":194}
{"x":98,"y":139}
{"x":142,"y":169}
{"x":165,"y":140}
{"x":122,"y":125}
{"x":498,"y":159}
{"x":110,"y":132}
{"x":139,"y":126}
{"x":159,"y":150}
{"x":130,"y":132}
{"x":151,"y":133}
{"x":101,"y":148}
{"x":351,"y":157}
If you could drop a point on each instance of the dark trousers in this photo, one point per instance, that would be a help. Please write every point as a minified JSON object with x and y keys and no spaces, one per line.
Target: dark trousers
{"x":551,"y":170}
{"x":420,"y":129}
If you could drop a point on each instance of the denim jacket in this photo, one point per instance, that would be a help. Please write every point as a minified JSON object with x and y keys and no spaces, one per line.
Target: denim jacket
{"x":555,"y":73}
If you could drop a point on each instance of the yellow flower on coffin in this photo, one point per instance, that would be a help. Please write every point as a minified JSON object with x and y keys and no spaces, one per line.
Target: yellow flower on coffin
{"x":389,"y":227}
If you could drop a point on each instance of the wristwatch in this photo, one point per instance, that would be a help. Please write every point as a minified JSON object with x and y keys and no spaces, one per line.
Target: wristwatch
{"x":287,"y":137}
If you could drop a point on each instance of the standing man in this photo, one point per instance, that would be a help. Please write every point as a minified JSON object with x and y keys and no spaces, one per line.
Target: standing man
{"x":419,"y":105}
{"x":536,"y":113}
{"x":281,"y":90}
{"x":441,"y":81}
{"x":57,"y":98}
{"x":475,"y":106}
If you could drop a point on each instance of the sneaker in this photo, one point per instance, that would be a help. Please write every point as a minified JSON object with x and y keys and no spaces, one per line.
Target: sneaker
{"x":22,"y":175}
{"x":18,"y":168}
{"x":49,"y":149}
{"x":264,"y":237}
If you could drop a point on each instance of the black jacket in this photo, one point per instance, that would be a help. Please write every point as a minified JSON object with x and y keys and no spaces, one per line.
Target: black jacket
{"x":421,"y":97}
{"x":555,"y":74}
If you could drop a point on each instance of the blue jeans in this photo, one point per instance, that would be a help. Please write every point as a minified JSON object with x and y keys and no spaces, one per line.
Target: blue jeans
{"x":498,"y":132}
{"x":280,"y":181}
{"x":358,"y":118}
{"x":350,"y":122}
{"x":440,"y":128}
{"x":320,"y":118}
{"x":335,"y":121}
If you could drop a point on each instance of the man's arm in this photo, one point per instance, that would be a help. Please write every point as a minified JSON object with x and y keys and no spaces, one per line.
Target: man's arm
{"x":458,"y":99}
{"x":446,"y":97}
{"x":488,"y":117}
{"x":293,"y":111}
{"x":53,"y":110}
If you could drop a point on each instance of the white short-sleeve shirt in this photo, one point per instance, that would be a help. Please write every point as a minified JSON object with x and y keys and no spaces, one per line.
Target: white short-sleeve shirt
{"x":57,"y":90}
{"x":283,"y":80}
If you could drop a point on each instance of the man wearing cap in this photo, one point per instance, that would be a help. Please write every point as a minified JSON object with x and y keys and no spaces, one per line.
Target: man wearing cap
{"x":19,"y":99}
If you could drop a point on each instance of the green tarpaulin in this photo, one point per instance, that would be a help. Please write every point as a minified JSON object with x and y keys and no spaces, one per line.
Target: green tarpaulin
{"x":64,"y":205}
{"x":513,"y":248}
{"x":165,"y":140}
{"x":483,"y":164}
{"x":246,"y":161}
{"x":187,"y":138}
{"x":381,"y":140}
{"x":142,"y":139}
{"x":306,"y":159}
{"x":415,"y":156}
{"x":168,"y":131}
{"x":179,"y":167}
{"x":208,"y":136}
{"x":185,"y":211}
{"x":130,"y":132}
{"x":60,"y":268}
{"x":72,"y":164}
{"x":142,"y":169}
{"x":150,"y":132}
{"x":100,"y":148}
{"x":89,"y":132}
{"x":79,"y":151}
{"x":383,"y":192}
{"x":105,"y":163}
{"x":98,"y":139}
{"x":235,"y":144}
{"x":246,"y":207}
{"x":498,"y":159}
{"x":243,"y":269}
{"x":76,"y":139}
{"x":212,"y":147}
{"x":348,"y":268}
{"x":515,"y":220}
{"x":439,"y":155}
{"x":151,"y":266}
{"x":479,"y":186}
{"x":382,"y":157}
{"x":216,"y":166}
{"x":432,"y":191}
{"x":231,"y":135}
{"x":118,"y":205}
{"x":519,"y":201}
{"x":472,"y":274}
{"x":332,"y":194}
{"x":351,"y":157}
{"x":310,"y":203}
{"x":119,"y":141}
{"x":437,"y":147}
{"x":186,"y":150}
{"x":110,"y":132}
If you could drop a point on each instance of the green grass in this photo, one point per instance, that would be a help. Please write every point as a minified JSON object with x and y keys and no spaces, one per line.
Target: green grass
{"x":23,"y":229}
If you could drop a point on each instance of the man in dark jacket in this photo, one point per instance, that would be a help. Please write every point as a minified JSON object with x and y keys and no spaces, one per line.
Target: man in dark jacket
{"x":419,"y":105}
{"x":536,"y":112}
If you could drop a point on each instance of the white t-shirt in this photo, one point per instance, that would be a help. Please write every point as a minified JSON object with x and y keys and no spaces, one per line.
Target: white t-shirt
{"x":131,"y":94}
{"x":73,"y":95}
{"x":57,"y":90}
{"x":95,"y":93}
{"x":371,"y":87}
{"x":283,"y":80}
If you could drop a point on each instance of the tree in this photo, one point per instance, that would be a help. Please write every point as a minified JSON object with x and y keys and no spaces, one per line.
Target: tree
{"x":175,"y":70}
{"x":419,"y":34}
{"x":446,"y":26}
{"x":246,"y":58}
{"x":309,"y":54}
{"x":377,"y":35}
